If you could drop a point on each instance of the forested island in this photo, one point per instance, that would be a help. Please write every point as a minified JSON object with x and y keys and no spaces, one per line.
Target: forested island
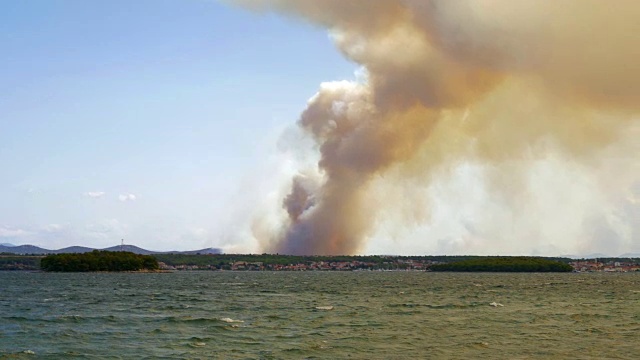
{"x":99,"y":261}
{"x":504,"y":264}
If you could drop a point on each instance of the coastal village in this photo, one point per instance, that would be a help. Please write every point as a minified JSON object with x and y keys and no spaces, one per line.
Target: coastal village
{"x":592,"y":265}
{"x":588,"y":265}
{"x":398,"y":264}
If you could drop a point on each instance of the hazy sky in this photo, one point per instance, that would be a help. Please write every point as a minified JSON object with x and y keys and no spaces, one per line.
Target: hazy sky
{"x":144,"y":120}
{"x":441,"y":127}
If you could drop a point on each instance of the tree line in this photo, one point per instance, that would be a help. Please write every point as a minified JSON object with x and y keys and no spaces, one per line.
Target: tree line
{"x":10,"y":261}
{"x":98,"y":260}
{"x":505,"y":264}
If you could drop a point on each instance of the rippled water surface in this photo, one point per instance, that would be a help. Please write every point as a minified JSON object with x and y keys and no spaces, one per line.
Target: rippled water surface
{"x":318,"y":315}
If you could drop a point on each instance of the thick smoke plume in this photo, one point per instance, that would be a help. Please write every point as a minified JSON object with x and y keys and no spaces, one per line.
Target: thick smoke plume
{"x":494,"y":82}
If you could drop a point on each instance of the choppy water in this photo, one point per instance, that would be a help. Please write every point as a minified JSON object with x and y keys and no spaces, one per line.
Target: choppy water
{"x":278,"y":315}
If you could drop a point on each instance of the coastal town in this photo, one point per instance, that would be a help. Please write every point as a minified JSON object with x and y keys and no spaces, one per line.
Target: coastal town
{"x":586,"y":265}
{"x":355,"y":265}
{"x":593,"y":265}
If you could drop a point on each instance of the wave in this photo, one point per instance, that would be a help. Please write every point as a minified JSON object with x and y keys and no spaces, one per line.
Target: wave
{"x":436,"y":306}
{"x":198,"y":320}
{"x":188,"y":319}
{"x":230,"y":320}
{"x":16,"y":318}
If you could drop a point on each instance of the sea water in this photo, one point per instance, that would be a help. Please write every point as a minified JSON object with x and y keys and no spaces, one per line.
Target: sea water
{"x":319,"y":315}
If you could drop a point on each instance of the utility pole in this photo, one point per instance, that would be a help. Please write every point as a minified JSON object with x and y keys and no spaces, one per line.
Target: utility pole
{"x":121,"y":244}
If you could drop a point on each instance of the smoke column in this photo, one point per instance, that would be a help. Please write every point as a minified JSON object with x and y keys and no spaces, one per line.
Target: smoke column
{"x":493,"y":82}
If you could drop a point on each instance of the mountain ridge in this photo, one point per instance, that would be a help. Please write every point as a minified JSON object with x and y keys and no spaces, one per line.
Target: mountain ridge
{"x":36,"y":250}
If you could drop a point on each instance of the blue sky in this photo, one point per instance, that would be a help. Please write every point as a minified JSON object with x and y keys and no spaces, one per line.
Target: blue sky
{"x":143,"y":119}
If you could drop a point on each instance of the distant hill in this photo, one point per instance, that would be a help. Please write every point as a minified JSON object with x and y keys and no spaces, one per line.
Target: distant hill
{"x":131,"y":248}
{"x":7,"y":245}
{"x":24,"y":249}
{"x":207,"y":251}
{"x":73,"y":250}
{"x":36,"y":250}
{"x":137,"y":250}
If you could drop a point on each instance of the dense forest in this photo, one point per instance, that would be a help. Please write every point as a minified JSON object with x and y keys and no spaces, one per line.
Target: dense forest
{"x":505,"y":264}
{"x":99,"y":261}
{"x":10,"y":261}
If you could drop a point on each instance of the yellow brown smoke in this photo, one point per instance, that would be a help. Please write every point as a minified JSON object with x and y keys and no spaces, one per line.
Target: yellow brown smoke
{"x":450,"y":80}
